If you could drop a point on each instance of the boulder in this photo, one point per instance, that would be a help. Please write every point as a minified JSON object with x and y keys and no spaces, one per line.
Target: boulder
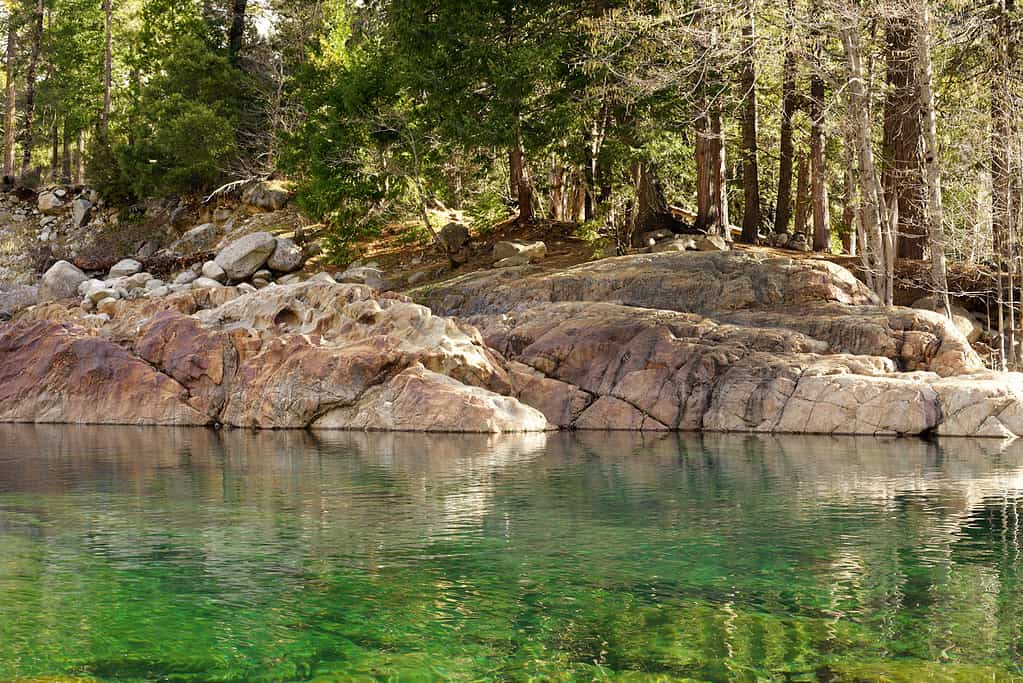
{"x":965,"y":321}
{"x":513,"y":261}
{"x":198,"y":239}
{"x":61,"y":281}
{"x":186,"y":277}
{"x":17,"y":299}
{"x":206,"y":283}
{"x":125,"y":268}
{"x":286,"y":257}
{"x":212,"y":271}
{"x":455,"y":239}
{"x":246,"y":255}
{"x":268,"y":195}
{"x":363,"y":275}
{"x":533,"y":251}
{"x":711,"y":243}
{"x":81,"y":212}
{"x":50,"y":204}
{"x":678,"y":244}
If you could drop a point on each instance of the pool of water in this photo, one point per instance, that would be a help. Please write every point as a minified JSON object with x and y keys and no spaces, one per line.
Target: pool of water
{"x":191,"y":555}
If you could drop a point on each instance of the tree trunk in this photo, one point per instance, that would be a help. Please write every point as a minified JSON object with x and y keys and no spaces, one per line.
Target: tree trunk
{"x":879,"y":244}
{"x":558,"y":192}
{"x":903,"y":177}
{"x":236,"y":36}
{"x":818,"y":159}
{"x":786,"y":153}
{"x":104,"y":125}
{"x":55,"y":150}
{"x":521,"y":186}
{"x":802,"y":196}
{"x":10,"y":114}
{"x":850,"y":211}
{"x":935,"y":209}
{"x":66,"y":170}
{"x":80,"y":158}
{"x":1001,"y":136}
{"x":750,"y":167}
{"x":652,"y":212}
{"x":30,"y":88}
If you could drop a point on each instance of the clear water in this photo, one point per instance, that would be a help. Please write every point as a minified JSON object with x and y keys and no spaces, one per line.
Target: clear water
{"x":178,"y":555}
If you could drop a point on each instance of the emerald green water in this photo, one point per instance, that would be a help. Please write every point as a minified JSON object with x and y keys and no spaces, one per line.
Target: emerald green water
{"x":178,"y":555}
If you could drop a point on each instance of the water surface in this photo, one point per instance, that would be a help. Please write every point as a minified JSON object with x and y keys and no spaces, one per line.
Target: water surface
{"x":192,"y":555}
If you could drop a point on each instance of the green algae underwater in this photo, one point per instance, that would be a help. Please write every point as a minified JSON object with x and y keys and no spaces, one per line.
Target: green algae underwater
{"x":133,"y":554}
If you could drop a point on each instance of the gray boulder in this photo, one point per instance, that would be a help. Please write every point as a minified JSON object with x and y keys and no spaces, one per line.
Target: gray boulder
{"x":286,"y":257}
{"x":711,"y":243}
{"x":533,"y":251}
{"x":211,"y":270}
{"x":81,"y":212}
{"x":61,"y":282}
{"x":50,"y":204}
{"x":245,"y":256}
{"x":15,"y":300}
{"x":125,"y":268}
{"x":267,"y":195}
{"x":186,"y":278}
{"x":206,"y":283}
{"x":455,"y":239}
{"x":200,"y":238}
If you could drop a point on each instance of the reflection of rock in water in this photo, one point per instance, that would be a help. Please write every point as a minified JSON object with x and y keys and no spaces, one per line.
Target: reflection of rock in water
{"x":434,"y":484}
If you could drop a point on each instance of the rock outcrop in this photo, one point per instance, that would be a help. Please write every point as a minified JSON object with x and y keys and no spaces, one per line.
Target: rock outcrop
{"x":730,"y":342}
{"x":315,"y":354}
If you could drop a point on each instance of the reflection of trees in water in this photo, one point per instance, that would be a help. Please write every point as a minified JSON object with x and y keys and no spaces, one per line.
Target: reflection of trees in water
{"x":913,"y":540}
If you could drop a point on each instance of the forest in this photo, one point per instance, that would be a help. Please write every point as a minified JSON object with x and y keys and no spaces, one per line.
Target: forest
{"x":887,"y":129}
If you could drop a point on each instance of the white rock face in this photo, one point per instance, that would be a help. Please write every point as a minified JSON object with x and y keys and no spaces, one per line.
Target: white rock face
{"x":125,"y":268}
{"x":186,"y":278}
{"x":245,"y":256}
{"x":61,"y":282}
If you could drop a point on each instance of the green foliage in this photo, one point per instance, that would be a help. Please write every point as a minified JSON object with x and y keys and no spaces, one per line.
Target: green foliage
{"x":487,"y":210}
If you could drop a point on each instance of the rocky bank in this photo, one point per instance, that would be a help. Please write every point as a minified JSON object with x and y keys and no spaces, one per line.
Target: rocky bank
{"x":678,"y":340}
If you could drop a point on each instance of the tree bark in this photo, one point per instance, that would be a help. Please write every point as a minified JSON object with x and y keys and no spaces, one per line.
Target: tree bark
{"x":521,"y":185}
{"x":108,"y":59}
{"x":935,"y":208}
{"x":802,"y":196}
{"x":66,"y":170}
{"x":55,"y":150}
{"x":786,"y":152}
{"x":30,"y":88}
{"x":10,"y":114}
{"x":750,"y":165}
{"x":818,"y":158}
{"x":236,"y":35}
{"x":1001,"y":136}
{"x":652,"y":212}
{"x":879,"y":244}
{"x":903,"y":175}
{"x":850,"y":210}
